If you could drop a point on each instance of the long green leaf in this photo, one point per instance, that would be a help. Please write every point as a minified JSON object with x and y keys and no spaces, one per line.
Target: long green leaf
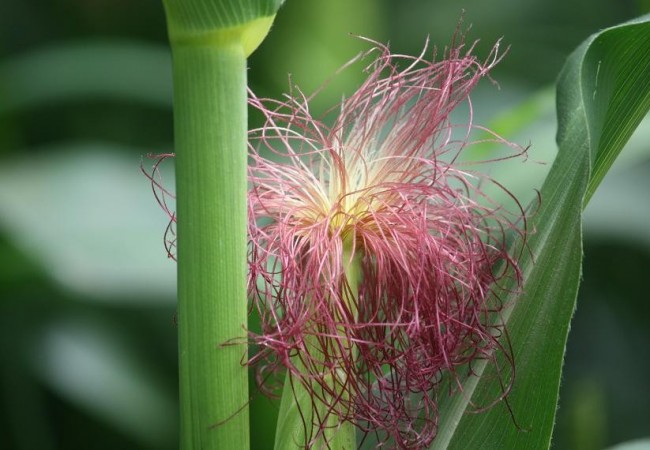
{"x":603,"y":94}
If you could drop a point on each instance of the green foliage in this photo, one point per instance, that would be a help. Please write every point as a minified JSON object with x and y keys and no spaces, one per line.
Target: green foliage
{"x":614,"y":73}
{"x":596,"y":83}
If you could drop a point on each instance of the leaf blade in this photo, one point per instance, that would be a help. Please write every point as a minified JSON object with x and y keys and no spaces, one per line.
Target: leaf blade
{"x":538,"y":322}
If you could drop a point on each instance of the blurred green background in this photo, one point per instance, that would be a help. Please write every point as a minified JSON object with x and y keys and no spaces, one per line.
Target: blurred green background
{"x":87,"y":335}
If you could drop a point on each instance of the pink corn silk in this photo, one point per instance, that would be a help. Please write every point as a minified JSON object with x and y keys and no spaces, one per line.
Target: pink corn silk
{"x":384,"y":185}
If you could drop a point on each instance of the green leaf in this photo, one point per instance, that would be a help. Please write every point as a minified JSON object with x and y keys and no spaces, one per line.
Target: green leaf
{"x":602,"y":96}
{"x":295,"y":413}
{"x":612,"y":68}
